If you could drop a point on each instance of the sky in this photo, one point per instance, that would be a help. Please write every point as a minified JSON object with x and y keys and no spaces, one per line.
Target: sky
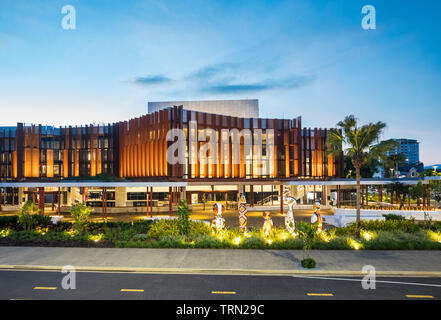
{"x":299,"y":58}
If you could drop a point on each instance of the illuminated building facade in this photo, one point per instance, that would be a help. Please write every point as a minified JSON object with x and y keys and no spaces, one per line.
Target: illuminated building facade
{"x":136,"y":151}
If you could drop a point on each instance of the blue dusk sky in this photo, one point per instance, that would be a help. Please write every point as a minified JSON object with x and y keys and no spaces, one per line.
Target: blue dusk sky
{"x":308,"y":58}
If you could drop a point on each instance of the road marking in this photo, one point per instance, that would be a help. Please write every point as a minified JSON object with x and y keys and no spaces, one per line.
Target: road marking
{"x":378,"y":281}
{"x":223,"y":292}
{"x":132,"y":290}
{"x":418,"y":296}
{"x":45,"y":288}
{"x":320,"y":294}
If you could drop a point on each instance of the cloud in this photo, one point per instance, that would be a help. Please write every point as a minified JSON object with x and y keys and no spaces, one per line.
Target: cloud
{"x":151,"y":80}
{"x":292,"y":82}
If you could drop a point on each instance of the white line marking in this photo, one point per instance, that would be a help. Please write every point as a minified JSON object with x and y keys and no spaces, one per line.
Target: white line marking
{"x":382,"y":281}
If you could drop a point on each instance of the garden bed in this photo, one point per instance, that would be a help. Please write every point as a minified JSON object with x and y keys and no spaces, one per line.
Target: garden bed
{"x":392,"y":234}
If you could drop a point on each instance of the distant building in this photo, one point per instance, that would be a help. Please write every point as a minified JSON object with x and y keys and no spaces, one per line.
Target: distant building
{"x":410,"y":149}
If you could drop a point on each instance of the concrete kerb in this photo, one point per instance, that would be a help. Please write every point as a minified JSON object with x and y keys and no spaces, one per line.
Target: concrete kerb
{"x":267,"y":272}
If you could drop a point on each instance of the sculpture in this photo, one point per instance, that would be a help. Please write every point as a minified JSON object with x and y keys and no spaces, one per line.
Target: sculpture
{"x":316,"y":217}
{"x":268,"y":224}
{"x":289,"y":217}
{"x":243,"y":213}
{"x":219,"y":222}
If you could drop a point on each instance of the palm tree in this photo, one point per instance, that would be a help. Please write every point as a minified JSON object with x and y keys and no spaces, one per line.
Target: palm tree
{"x":395,"y":160}
{"x":361,"y":143}
{"x":382,"y":151}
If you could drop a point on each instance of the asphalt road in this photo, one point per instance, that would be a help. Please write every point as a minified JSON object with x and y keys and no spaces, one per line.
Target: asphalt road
{"x":43,"y":285}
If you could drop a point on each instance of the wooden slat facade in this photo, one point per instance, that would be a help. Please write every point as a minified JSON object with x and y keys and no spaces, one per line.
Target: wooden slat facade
{"x":137,"y":149}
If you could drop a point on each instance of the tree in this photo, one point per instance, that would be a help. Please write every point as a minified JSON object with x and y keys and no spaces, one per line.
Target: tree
{"x":416,"y":192}
{"x":80,"y":213}
{"x":401,"y":190}
{"x":381,"y":152}
{"x":361,"y":144}
{"x":367,"y":170}
{"x":435,"y":191}
{"x":307,"y":232}
{"x":395,"y":160}
{"x":25,"y":219}
{"x":184,"y":217}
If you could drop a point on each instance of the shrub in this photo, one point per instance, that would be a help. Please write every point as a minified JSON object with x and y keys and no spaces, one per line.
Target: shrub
{"x":8,"y":221}
{"x":199,"y":227}
{"x":308,"y":263}
{"x":253,"y":242}
{"x":25,"y":217}
{"x":171,"y":228}
{"x":392,"y":216}
{"x":164,"y":228}
{"x":80,"y":213}
{"x":406,"y":225}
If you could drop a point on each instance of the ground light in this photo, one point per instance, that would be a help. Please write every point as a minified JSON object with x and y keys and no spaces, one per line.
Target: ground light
{"x":367,"y":235}
{"x":5,"y":232}
{"x":354,"y":244}
{"x":435,"y":236}
{"x":237,"y":240}
{"x":96,"y":238}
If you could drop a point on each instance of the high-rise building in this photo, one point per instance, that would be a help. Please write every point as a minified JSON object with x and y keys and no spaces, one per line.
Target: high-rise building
{"x":410,"y":148}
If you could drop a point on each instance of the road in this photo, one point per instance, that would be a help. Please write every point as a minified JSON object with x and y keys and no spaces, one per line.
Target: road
{"x":42,"y":285}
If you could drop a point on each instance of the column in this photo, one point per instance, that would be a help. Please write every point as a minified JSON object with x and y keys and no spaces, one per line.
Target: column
{"x":338,"y":196}
{"x":170,"y":209}
{"x":120,"y":196}
{"x":281,"y":199}
{"x":151,"y":201}
{"x":380,"y":196}
{"x":104,"y":210}
{"x":251,"y":195}
{"x":147,"y":205}
{"x":41,"y":199}
{"x":59,"y":200}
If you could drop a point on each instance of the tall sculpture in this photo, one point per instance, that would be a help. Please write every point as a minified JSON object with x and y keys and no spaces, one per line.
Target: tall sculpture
{"x":243,"y":213}
{"x":289,"y":217}
{"x":219,"y":222}
{"x":267,"y":224}
{"x":316,"y":217}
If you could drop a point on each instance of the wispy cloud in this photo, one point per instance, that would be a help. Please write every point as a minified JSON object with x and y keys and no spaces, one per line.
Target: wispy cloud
{"x":151,"y":80}
{"x":291,"y":82}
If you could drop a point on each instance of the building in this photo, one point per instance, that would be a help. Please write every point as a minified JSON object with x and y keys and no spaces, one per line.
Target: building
{"x":246,"y":108}
{"x":411,"y":149}
{"x":129,"y":164}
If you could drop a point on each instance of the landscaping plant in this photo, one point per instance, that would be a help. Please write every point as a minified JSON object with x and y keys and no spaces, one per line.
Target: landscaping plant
{"x":80,"y":212}
{"x":308,"y":232}
{"x":25,"y":217}
{"x":184,"y":217}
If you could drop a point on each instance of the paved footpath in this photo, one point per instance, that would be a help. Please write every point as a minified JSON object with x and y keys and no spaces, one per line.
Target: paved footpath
{"x":222,"y":261}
